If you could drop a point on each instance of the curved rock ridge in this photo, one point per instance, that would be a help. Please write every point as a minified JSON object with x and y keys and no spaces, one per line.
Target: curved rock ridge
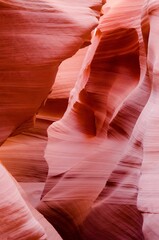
{"x":31,"y":54}
{"x":35,"y":37}
{"x":102,"y":155}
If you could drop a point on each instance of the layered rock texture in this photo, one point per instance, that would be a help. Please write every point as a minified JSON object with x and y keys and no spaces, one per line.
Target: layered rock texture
{"x":100,"y":177}
{"x":35,"y":37}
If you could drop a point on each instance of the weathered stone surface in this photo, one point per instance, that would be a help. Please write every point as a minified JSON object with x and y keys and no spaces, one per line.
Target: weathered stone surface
{"x":35,"y":37}
{"x":102,"y":154}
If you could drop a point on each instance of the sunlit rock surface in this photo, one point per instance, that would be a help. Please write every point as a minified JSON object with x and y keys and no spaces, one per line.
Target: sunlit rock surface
{"x":35,"y":37}
{"x":102,"y":155}
{"x":100,"y":177}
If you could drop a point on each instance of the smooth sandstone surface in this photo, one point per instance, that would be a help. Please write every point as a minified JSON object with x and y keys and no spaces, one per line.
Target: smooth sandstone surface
{"x":35,"y":37}
{"x":100,"y":177}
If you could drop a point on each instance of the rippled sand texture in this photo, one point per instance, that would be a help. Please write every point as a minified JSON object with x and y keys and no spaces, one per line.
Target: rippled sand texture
{"x":35,"y":37}
{"x":103,"y":154}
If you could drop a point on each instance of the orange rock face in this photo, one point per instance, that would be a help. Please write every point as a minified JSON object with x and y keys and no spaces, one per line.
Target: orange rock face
{"x":35,"y":37}
{"x":102,"y":154}
{"x":99,"y":154}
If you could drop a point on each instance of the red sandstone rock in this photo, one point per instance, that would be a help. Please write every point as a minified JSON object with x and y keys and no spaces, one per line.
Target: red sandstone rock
{"x":102,"y":154}
{"x":99,"y":152}
{"x":35,"y":37}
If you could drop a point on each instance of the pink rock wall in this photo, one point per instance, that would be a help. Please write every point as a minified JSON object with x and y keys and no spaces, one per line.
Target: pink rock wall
{"x":102,"y":178}
{"x":35,"y":38}
{"x":102,"y":155}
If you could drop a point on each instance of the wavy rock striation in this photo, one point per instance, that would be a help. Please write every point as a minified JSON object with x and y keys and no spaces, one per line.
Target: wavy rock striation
{"x":35,"y":37}
{"x":102,"y":155}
